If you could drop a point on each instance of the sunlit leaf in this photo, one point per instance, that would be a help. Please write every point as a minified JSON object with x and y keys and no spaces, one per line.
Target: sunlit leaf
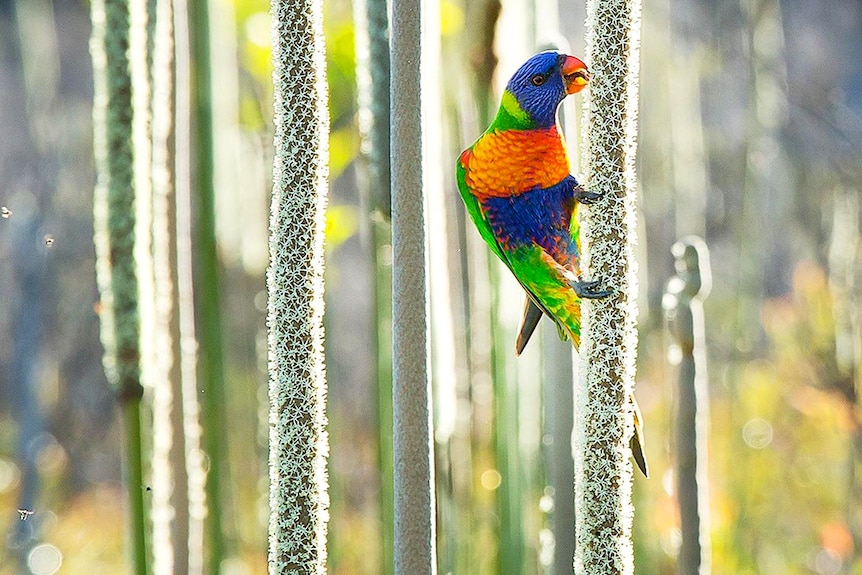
{"x":343,"y":149}
{"x":451,"y":18}
{"x":341,"y":72}
{"x":342,"y":222}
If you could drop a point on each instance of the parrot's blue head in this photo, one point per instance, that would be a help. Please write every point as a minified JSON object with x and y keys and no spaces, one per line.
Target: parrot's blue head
{"x":542,"y":82}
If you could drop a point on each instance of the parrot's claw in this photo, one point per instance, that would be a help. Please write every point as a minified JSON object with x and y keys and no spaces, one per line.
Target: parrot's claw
{"x":590,"y":289}
{"x":585,"y":197}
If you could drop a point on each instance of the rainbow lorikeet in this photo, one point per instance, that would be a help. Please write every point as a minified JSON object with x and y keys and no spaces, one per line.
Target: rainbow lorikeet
{"x":517,"y":185}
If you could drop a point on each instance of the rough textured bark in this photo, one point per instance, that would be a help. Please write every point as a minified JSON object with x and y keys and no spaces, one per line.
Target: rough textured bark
{"x":114,"y":238}
{"x":415,"y":552}
{"x":603,"y":470}
{"x":299,"y":497}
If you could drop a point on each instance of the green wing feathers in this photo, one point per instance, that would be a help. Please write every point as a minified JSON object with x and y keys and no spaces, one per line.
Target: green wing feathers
{"x":475,"y":211}
{"x":548,"y":285}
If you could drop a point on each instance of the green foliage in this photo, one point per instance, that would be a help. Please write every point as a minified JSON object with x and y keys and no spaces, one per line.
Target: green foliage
{"x":341,"y":75}
{"x":778,"y":452}
{"x":253,"y":27}
{"x":342,"y":222}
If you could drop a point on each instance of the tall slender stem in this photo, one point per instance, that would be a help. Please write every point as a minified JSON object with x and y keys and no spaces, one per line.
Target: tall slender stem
{"x":210,"y":364}
{"x":415,"y":552}
{"x":114,"y":238}
{"x":299,"y":446}
{"x":134,"y":474}
{"x":604,"y":402}
{"x":683,"y":303}
{"x":169,"y":500}
{"x":371,"y":20}
{"x":186,"y":356}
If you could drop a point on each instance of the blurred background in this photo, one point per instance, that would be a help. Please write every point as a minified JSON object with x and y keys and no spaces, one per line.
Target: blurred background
{"x":750,"y":137}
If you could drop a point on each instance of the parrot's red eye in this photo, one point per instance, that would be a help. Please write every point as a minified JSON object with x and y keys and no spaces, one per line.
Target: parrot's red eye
{"x":537,"y":80}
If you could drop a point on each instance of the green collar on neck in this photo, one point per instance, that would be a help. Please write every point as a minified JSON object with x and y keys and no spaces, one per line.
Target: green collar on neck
{"x":511,"y":116}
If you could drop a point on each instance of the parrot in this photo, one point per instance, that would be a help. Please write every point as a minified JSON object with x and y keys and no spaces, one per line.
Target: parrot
{"x":516,"y":184}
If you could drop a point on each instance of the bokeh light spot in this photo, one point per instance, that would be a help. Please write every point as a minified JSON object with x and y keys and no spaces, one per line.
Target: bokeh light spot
{"x":44,"y":559}
{"x":258,"y":29}
{"x":8,"y":475}
{"x":825,"y":562}
{"x":491,"y":479}
{"x":757,"y":433}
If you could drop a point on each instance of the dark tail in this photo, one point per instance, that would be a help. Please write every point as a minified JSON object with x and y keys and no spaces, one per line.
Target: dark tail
{"x":529,"y":320}
{"x":637,"y":441}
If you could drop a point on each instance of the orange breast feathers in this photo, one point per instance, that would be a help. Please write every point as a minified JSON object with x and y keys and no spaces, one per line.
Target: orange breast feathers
{"x":509,"y":162}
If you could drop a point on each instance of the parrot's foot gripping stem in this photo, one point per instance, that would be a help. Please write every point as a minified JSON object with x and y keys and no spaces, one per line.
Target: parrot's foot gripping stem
{"x":585,"y":197}
{"x":590,"y":289}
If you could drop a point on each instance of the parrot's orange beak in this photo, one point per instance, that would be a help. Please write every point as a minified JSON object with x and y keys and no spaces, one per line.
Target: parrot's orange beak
{"x":575,"y":75}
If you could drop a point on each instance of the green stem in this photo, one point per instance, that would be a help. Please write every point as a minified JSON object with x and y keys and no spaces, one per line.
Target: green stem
{"x":383,"y":336}
{"x":135,"y":487}
{"x":211,"y":359}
